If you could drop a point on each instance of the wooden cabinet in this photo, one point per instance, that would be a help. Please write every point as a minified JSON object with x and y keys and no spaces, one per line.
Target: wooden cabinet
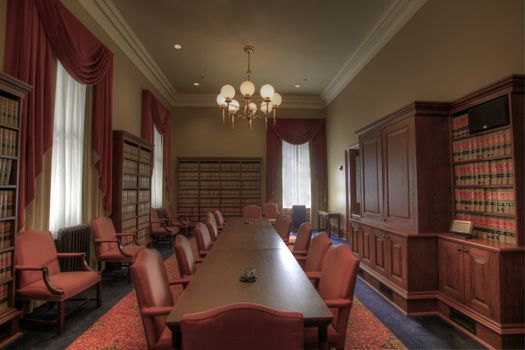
{"x":372,"y":189}
{"x":451,"y":275}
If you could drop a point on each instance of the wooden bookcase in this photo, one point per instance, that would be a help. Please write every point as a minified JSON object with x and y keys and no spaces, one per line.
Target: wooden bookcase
{"x":227,"y":184}
{"x":132,"y":158}
{"x":12,"y":93}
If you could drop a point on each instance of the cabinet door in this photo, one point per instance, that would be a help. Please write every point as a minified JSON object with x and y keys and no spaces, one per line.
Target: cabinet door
{"x":354,"y":238}
{"x":372,"y":182}
{"x":451,"y":276}
{"x":367,"y":245}
{"x":399,"y":174}
{"x":397,"y":266}
{"x":380,"y":257}
{"x":481,"y":280}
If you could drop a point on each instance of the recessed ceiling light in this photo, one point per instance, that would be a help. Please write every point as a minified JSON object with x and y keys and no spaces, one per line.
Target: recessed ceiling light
{"x":177,"y":46}
{"x":196,"y":84}
{"x":297,"y":86}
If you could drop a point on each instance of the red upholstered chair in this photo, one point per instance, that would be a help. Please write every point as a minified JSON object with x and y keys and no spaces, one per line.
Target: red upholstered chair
{"x":283,"y":226}
{"x":242,"y":326}
{"x":302,"y":242}
{"x":160,"y":229}
{"x":212,"y":226}
{"x":154,"y":297}
{"x":336,"y":287}
{"x":172,"y":219}
{"x":219,"y":219}
{"x":108,"y":245}
{"x":251,"y":212}
{"x":185,"y":261}
{"x":270,"y":211}
{"x":312,"y":263}
{"x":39,"y":276}
{"x":202,"y":236}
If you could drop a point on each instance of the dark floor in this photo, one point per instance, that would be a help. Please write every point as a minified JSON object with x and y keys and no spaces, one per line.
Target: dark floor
{"x":415,"y":333}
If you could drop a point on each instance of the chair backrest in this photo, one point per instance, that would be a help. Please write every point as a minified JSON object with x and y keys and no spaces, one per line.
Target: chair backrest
{"x":304,"y":233}
{"x":212,"y":226}
{"x":103,"y":229}
{"x":219,"y":219}
{"x":184,"y":256}
{"x":242,"y":326}
{"x":152,"y":289}
{"x":202,"y":236}
{"x":251,"y":212}
{"x":270,"y":210}
{"x":337,"y":281}
{"x":35,"y":248}
{"x":283,"y":226}
{"x":155,"y":221}
{"x":317,"y":251}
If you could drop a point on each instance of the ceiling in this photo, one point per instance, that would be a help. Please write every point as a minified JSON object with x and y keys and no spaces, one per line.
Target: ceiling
{"x":302,"y":42}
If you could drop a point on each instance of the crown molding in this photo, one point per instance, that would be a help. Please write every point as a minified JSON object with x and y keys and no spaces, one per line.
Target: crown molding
{"x":289,"y":101}
{"x":105,"y":13}
{"x":392,"y":21}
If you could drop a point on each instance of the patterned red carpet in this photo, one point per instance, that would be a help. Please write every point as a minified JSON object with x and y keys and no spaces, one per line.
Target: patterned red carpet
{"x":121,"y":327}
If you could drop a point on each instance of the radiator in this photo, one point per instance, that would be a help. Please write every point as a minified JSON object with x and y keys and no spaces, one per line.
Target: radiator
{"x":74,"y":239}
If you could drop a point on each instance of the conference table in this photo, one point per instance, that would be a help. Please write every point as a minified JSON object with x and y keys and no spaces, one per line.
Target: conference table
{"x":281,"y":283}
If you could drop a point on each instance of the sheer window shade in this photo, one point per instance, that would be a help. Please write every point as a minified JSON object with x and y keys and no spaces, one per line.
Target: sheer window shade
{"x":157,"y":183}
{"x":296,"y":175}
{"x":67,"y":156}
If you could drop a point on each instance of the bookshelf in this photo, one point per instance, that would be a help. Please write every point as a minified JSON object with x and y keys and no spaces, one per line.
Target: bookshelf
{"x":132,"y":185}
{"x":12,"y":93}
{"x":227,"y":184}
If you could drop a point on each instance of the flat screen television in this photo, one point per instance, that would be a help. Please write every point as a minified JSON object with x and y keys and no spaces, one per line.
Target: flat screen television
{"x":488,"y":115}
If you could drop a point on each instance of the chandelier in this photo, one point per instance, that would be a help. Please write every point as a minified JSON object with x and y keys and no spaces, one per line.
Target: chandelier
{"x":231,"y":108}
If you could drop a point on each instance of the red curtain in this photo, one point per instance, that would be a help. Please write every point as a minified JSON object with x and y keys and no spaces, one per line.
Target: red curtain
{"x":154,"y":113}
{"x":296,"y":131}
{"x":36,"y":31}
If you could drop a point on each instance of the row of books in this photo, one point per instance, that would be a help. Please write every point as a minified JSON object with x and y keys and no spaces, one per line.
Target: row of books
{"x":129,"y":181}
{"x":144,"y":208}
{"x":498,"y":143}
{"x":145,"y":156}
{"x":6,"y":265}
{"x":494,"y":172}
{"x":129,"y":196}
{"x":6,"y":166}
{"x":144,"y":195}
{"x":492,"y":228}
{"x":144,"y":227}
{"x":128,"y":225}
{"x":4,"y":297}
{"x":8,"y":140}
{"x":8,"y":111}
{"x":129,"y":166}
{"x":460,"y":126}
{"x":144,"y":182}
{"x":129,"y":211}
{"x":7,"y":203}
{"x":131,"y":151}
{"x":145,"y":219}
{"x":499,"y":201}
{"x":6,"y":234}
{"x":144,"y":169}
{"x":188,"y":167}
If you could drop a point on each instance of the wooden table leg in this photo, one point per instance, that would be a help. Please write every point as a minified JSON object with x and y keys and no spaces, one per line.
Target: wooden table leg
{"x":322,"y":337}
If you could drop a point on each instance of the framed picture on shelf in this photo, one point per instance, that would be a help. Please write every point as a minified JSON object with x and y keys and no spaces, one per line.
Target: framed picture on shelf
{"x":462,"y":228}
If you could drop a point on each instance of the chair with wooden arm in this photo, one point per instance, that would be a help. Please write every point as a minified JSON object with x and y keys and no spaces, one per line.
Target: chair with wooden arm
{"x":39,"y":276}
{"x":219,"y":219}
{"x":186,"y":264}
{"x":312,"y":263}
{"x":212,"y":226}
{"x":172,"y":219}
{"x":242,"y":326}
{"x":203,"y":239}
{"x":108,"y":244}
{"x":302,"y":242}
{"x":336,"y":286}
{"x":252,"y":212}
{"x":283,"y":226}
{"x":160,"y":229}
{"x":270,"y":211}
{"x":154,"y":297}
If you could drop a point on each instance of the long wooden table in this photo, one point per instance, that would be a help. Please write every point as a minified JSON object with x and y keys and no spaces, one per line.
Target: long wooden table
{"x":281,"y":283}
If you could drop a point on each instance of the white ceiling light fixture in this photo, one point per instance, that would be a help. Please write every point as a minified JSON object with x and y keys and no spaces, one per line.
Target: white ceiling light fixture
{"x":232,"y":109}
{"x":177,"y":46}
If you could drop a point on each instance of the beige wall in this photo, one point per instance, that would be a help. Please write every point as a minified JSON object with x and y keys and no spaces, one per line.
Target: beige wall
{"x":448,"y":49}
{"x":198,"y":132}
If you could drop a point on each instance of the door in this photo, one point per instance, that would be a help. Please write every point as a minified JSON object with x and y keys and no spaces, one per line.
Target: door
{"x":380,"y":255}
{"x":481,"y":278}
{"x":397,"y":267}
{"x":399,"y":174}
{"x":371,"y":179}
{"x":451,"y":276}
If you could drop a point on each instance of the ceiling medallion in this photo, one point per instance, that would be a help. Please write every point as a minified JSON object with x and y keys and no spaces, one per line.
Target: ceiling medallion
{"x":231,"y":108}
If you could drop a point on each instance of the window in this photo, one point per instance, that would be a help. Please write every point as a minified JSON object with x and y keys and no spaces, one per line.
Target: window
{"x":157,"y":183}
{"x":296,"y":175}
{"x":68,"y":140}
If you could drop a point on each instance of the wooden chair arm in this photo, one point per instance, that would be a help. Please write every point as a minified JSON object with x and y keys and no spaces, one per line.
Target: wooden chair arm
{"x":338,"y":303}
{"x":154,"y":311}
{"x":134,"y":235}
{"x":299,"y":252}
{"x":45,"y":276}
{"x":184,"y":281}
{"x":314,"y":275}
{"x":85,"y":265}
{"x":119,"y":245}
{"x":198,"y":261}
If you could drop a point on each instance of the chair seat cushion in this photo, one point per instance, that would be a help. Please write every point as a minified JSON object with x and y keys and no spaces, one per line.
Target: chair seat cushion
{"x":310,"y":337}
{"x":71,"y":282}
{"x":115,"y":255}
